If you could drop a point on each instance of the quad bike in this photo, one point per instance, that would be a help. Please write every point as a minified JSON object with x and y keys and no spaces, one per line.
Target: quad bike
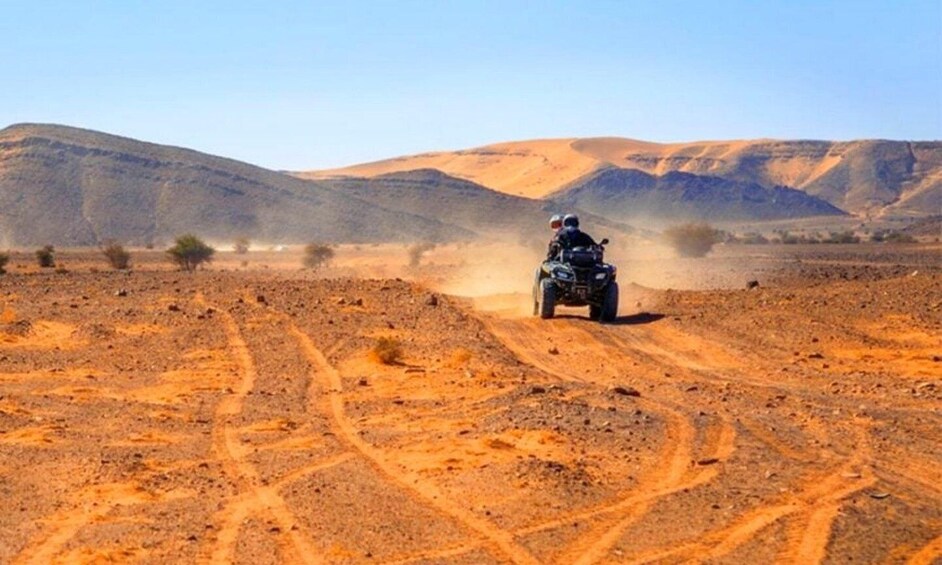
{"x":577,"y":277}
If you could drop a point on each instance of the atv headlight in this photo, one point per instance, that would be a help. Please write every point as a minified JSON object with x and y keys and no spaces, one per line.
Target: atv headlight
{"x":563,"y":275}
{"x":600,"y":276}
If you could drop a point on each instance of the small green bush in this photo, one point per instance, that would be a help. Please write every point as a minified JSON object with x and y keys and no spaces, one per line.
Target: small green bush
{"x":117,"y":256}
{"x":189,"y":252}
{"x":692,"y":239}
{"x":317,"y":255}
{"x":46,"y":257}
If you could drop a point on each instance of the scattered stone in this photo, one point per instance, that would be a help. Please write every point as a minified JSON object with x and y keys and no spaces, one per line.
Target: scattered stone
{"x":173,"y":308}
{"x":357,"y":302}
{"x":815,"y":356}
{"x":553,"y":350}
{"x":878,"y":495}
{"x":260,"y":299}
{"x":363,"y":382}
{"x":121,"y":292}
{"x":752,"y":284}
{"x":626,"y":391}
{"x":537,"y":390}
{"x":341,"y":300}
{"x":432,"y":300}
{"x":707,"y":461}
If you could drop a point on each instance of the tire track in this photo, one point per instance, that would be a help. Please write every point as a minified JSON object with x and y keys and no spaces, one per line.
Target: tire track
{"x":501,"y":542}
{"x":228,"y":449}
{"x":675,"y":458}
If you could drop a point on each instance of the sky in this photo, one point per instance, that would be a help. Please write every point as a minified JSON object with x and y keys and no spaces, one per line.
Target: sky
{"x":306,"y":85}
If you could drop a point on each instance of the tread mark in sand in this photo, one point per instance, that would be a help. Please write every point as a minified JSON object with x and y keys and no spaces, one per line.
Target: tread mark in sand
{"x":675,"y":457}
{"x":227,"y":448}
{"x":501,"y":541}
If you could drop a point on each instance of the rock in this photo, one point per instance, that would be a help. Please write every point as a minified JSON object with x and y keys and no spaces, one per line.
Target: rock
{"x":708,"y":461}
{"x":815,"y":356}
{"x":432,"y":300}
{"x":173,"y":308}
{"x":878,"y":495}
{"x":553,"y":350}
{"x":357,"y":302}
{"x":626,"y":391}
{"x":260,"y":299}
{"x":363,"y":382}
{"x":752,"y":284}
{"x":537,"y":390}
{"x":121,"y":292}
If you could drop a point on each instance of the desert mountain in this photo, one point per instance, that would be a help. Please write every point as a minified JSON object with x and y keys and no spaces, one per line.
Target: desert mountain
{"x":635,"y":196}
{"x":870,"y":177}
{"x":68,"y":186}
{"x":433,"y":194}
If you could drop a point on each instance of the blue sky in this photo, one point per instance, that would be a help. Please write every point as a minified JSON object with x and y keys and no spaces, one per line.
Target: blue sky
{"x":301,"y":85}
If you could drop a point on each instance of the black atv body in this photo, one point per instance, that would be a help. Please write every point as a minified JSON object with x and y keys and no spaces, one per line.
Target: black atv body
{"x":577,"y":277}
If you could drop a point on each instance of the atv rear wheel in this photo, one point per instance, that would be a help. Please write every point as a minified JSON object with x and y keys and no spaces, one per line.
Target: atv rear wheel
{"x":595,"y":312}
{"x":609,"y":308}
{"x":547,"y":298}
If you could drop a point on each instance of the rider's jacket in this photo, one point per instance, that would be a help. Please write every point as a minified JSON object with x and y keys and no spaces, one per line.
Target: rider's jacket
{"x":568,"y":238}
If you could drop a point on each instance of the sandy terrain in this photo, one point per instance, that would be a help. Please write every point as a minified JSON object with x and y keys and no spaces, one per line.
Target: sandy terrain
{"x":236,"y":414}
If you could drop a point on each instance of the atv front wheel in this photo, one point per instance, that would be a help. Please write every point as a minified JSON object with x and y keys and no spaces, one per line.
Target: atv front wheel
{"x":547,"y":298}
{"x":609,"y":303}
{"x":594,"y":312}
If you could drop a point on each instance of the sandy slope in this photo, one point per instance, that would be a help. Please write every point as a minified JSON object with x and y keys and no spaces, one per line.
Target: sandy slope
{"x":856,"y":176}
{"x":238,"y":417}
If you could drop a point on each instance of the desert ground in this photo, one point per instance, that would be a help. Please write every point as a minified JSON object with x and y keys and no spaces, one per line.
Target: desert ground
{"x":239,"y":414}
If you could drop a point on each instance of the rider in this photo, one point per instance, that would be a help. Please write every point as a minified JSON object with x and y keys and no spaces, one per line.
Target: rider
{"x":569,"y":237}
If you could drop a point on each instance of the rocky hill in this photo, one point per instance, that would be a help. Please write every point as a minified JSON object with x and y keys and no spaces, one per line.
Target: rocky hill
{"x":635,"y":196}
{"x":68,"y":186}
{"x":868,"y":178}
{"x":433,"y":194}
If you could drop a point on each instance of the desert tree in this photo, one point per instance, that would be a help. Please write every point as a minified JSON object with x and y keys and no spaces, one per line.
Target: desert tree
{"x":189,"y":252}
{"x":241,"y":246}
{"x":117,"y":256}
{"x":317,"y":255}
{"x":692,"y":239}
{"x":417,"y":251}
{"x":46,"y":257}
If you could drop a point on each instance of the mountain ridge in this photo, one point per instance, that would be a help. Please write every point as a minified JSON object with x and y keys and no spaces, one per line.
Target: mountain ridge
{"x":870,"y":177}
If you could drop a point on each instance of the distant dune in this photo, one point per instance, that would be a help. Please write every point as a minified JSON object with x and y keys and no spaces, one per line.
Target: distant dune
{"x":869,"y":177}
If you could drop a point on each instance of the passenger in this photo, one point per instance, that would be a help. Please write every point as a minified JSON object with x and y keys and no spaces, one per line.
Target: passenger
{"x":569,"y":237}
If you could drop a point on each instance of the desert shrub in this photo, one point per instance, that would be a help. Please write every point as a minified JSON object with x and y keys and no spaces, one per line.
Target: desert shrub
{"x":46,"y":257}
{"x":116,"y":255}
{"x":317,"y":255}
{"x":692,"y":240}
{"x":842,"y":237}
{"x":417,"y":250}
{"x":189,"y":252}
{"x":460,"y":357}
{"x":242,"y":245}
{"x":387,"y":351}
{"x":892,"y":237}
{"x":4,"y":259}
{"x":754,"y":238}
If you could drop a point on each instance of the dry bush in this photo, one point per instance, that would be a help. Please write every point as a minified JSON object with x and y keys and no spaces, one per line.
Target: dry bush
{"x":118,"y":257}
{"x":46,"y":257}
{"x":692,"y":239}
{"x":417,"y":250}
{"x":387,"y":351}
{"x":241,"y":246}
{"x":460,"y":357}
{"x":4,"y":259}
{"x":189,"y":252}
{"x":317,"y":255}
